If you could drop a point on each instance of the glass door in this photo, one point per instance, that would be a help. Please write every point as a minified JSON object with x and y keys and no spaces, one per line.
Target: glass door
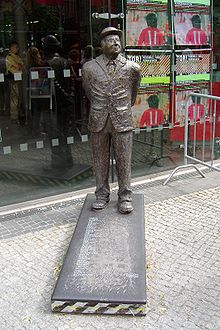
{"x":44,"y":149}
{"x":104,"y":13}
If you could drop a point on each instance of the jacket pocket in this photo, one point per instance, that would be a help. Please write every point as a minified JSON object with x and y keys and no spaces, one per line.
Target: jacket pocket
{"x":95,"y":108}
{"x":124,"y":108}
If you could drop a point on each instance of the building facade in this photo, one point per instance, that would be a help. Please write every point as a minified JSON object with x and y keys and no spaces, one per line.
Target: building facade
{"x":44,"y":140}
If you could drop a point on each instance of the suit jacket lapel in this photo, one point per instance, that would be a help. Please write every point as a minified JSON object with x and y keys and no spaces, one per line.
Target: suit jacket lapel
{"x":120,"y":62}
{"x":101,"y":62}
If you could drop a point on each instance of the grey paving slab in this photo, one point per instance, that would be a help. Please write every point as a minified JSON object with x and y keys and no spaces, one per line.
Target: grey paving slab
{"x":182,"y":237}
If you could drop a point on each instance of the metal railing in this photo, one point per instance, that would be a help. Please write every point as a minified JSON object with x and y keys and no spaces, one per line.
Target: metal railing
{"x":200,"y":132}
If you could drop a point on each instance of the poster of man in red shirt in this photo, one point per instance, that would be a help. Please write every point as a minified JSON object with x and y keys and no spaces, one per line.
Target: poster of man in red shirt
{"x":197,"y":107}
{"x":192,"y":29}
{"x":152,"y":106}
{"x":151,"y":36}
{"x":153,"y":116}
{"x":147,"y":29}
{"x":196,"y":36}
{"x":196,"y":110}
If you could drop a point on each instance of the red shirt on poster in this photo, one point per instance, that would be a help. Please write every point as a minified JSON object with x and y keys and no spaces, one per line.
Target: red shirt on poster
{"x":196,"y":36}
{"x":151,"y":36}
{"x":196,"y":111}
{"x":152,"y":117}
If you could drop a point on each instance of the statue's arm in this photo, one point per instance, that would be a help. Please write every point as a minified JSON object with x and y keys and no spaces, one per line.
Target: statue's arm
{"x":136,"y":78}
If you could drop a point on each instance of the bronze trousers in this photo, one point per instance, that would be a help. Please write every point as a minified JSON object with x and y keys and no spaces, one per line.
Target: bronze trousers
{"x":122,"y":146}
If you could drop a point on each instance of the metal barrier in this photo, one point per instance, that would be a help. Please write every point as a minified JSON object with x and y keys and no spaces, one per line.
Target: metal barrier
{"x":200,"y":117}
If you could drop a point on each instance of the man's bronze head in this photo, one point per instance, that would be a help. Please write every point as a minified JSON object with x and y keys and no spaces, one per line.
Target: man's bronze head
{"x":110,"y":42}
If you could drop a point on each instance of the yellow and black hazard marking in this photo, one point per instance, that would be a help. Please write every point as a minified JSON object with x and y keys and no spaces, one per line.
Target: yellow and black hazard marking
{"x":78,"y":307}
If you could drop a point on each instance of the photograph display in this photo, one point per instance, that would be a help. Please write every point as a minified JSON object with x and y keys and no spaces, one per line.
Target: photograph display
{"x":192,"y":2}
{"x":151,"y":107}
{"x":155,"y":68}
{"x":193,"y":67}
{"x":147,"y":28}
{"x":197,"y":107}
{"x":144,"y":2}
{"x":192,"y":28}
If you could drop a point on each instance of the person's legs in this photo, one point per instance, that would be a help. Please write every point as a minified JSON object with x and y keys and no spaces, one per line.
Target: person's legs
{"x":20,"y":109}
{"x":101,"y":157}
{"x":14,"y":100}
{"x":53,"y":122}
{"x":2,"y":99}
{"x":122,"y":143}
{"x":7,"y":97}
{"x":36,"y":108}
{"x":62,"y":153}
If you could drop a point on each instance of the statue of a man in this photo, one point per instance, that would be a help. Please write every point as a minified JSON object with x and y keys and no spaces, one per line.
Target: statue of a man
{"x":111,"y":84}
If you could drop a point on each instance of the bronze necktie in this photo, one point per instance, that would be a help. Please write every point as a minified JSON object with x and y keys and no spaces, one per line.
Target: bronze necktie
{"x":111,"y":67}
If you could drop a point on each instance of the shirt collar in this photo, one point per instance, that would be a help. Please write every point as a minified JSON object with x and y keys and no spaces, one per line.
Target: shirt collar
{"x":107,"y":60}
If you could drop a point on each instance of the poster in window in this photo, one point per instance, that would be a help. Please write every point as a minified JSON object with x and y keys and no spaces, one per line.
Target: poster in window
{"x":155,"y":67}
{"x":197,"y":107}
{"x":147,"y":27}
{"x":193,"y":66}
{"x":192,"y":28}
{"x":192,"y":2}
{"x":151,"y":107}
{"x":143,"y":3}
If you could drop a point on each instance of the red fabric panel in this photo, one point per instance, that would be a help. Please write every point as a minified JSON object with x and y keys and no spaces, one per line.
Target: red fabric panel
{"x":97,"y":3}
{"x":50,"y":2}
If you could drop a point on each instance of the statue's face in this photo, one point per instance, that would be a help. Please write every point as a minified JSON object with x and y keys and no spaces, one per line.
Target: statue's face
{"x":111,"y":45}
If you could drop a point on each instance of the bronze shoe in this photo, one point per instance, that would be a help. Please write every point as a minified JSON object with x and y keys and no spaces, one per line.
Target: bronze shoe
{"x":125,"y":207}
{"x":99,"y":204}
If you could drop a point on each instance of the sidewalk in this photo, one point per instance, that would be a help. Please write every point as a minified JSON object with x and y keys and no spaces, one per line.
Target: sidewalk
{"x":183,"y":260}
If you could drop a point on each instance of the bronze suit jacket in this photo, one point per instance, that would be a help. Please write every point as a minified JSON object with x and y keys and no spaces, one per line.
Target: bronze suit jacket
{"x":112,"y":95}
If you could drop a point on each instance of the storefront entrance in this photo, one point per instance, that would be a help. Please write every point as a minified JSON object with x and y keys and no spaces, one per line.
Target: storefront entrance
{"x":44,"y":140}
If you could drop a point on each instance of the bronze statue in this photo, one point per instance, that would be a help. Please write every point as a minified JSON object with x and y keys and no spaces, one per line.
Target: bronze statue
{"x":111,"y":83}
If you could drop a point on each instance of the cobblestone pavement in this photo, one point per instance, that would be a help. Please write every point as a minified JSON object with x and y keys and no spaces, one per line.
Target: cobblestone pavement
{"x":183,"y":262}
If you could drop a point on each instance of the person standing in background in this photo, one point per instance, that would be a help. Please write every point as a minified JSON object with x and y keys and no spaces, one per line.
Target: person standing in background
{"x":58,"y":119}
{"x":34,"y":60}
{"x":14,"y":64}
{"x":4,"y":89}
{"x":87,"y":54}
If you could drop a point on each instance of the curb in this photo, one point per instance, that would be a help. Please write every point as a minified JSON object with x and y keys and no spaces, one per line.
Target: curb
{"x":149,"y":180}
